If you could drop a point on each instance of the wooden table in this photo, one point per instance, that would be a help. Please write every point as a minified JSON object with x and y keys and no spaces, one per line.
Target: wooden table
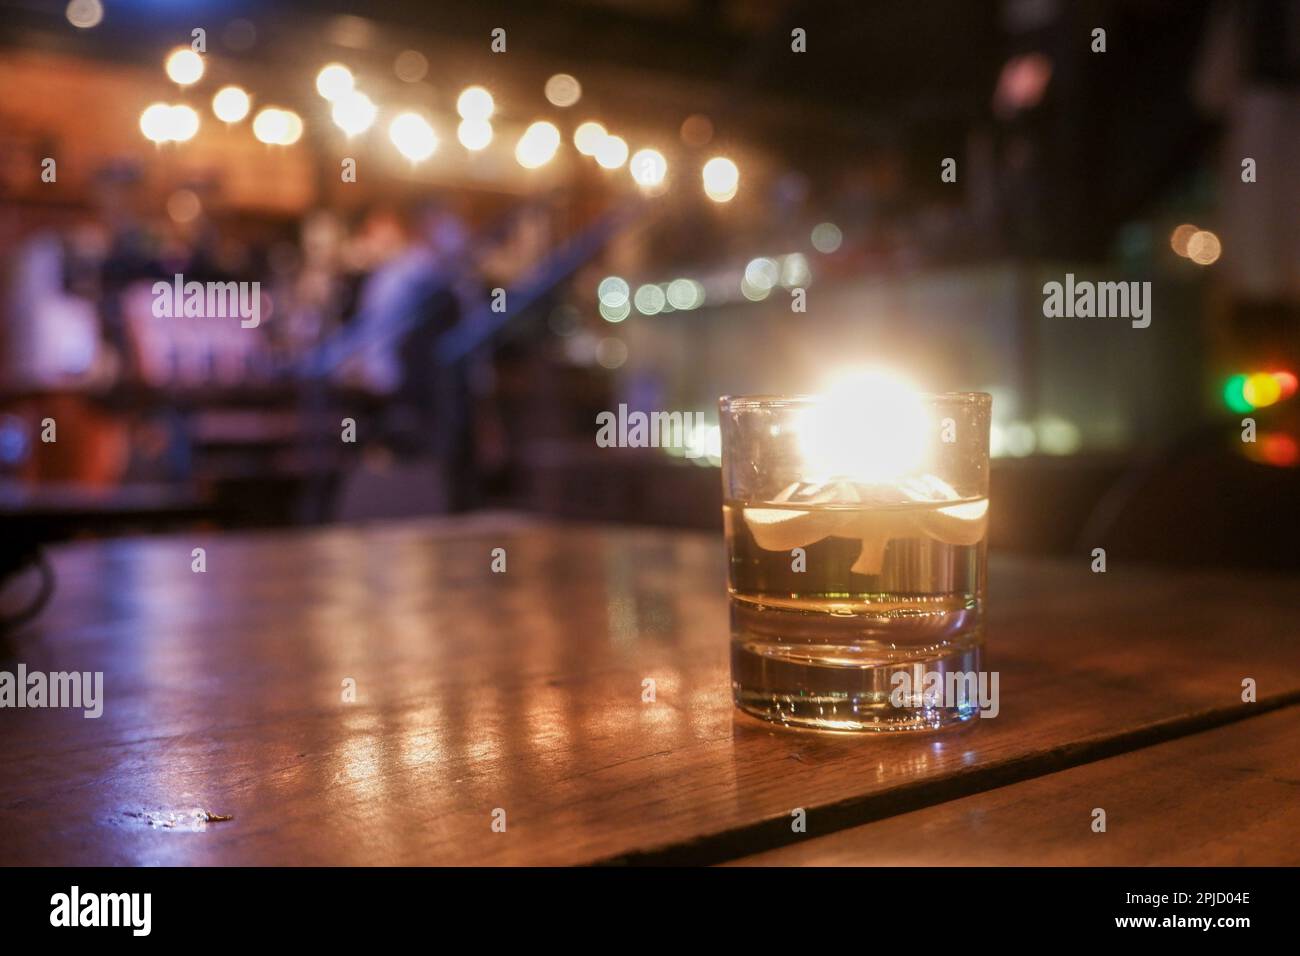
{"x":478,"y":691}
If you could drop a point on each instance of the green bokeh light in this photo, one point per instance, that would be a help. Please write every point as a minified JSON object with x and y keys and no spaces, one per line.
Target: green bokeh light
{"x":1234,"y":394}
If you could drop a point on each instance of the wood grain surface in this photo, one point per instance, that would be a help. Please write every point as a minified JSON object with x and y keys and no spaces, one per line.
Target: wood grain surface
{"x":523,"y":691}
{"x":1226,"y":797}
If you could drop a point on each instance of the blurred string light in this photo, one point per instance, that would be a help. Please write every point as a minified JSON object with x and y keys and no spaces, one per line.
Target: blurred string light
{"x":354,"y":112}
{"x":155,"y":122}
{"x":563,"y":90}
{"x":1247,"y":391}
{"x":410,"y":66}
{"x":613,"y":291}
{"x":648,"y":168}
{"x":474,"y":134}
{"x":650,"y":299}
{"x":413,"y":136}
{"x":277,"y":127}
{"x":685,"y":294}
{"x":696,"y":131}
{"x":826,"y":237}
{"x":230,"y":104}
{"x":615,"y":313}
{"x":1204,"y":248}
{"x":1179,"y":238}
{"x":85,"y":14}
{"x":162,"y":123}
{"x":611,"y":353}
{"x":184,"y":206}
{"x":537,"y":145}
{"x":721,"y":179}
{"x":588,"y":137}
{"x":760,"y":278}
{"x":475,"y":103}
{"x":184,"y":66}
{"x":1199,"y":245}
{"x":612,"y":152}
{"x":334,"y":80}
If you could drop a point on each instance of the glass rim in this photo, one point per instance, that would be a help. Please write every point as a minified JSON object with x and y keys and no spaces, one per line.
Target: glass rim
{"x":728,"y":402}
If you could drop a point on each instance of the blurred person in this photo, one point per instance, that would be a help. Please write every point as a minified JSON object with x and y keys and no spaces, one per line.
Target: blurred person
{"x":420,"y":286}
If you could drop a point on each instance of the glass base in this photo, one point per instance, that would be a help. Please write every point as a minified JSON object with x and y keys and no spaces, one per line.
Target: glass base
{"x":823,"y":688}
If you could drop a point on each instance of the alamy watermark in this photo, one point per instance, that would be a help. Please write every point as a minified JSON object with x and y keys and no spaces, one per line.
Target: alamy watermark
{"x":73,"y":689}
{"x":624,"y":429}
{"x":208,"y":300}
{"x":956,"y":690}
{"x":1102,"y":300}
{"x":75,"y":908}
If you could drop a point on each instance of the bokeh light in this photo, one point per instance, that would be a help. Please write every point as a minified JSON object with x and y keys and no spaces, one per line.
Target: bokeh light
{"x":230,"y":104}
{"x":588,"y":137}
{"x":612,"y":152}
{"x":826,"y":237}
{"x":334,"y":80}
{"x":1180,"y":237}
{"x":354,"y":112}
{"x":413,"y":136}
{"x":85,"y":14}
{"x":563,"y":90}
{"x":648,"y":168}
{"x":474,"y":134}
{"x":721,"y":179}
{"x":475,"y":103}
{"x":184,"y":66}
{"x":537,"y":145}
{"x":1203,"y":247}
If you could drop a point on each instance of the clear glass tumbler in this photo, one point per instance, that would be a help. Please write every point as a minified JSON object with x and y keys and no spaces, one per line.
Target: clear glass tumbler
{"x":856,"y":528}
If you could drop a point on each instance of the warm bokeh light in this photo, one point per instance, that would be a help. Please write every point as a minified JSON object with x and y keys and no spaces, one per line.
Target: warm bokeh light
{"x":334,"y":80}
{"x":612,"y":152}
{"x":292,"y":128}
{"x":588,"y":137}
{"x":1277,"y":449}
{"x":183,"y":123}
{"x":184,"y":66}
{"x":354,"y":112}
{"x":475,"y":103}
{"x":272,"y":126}
{"x":410,"y":66}
{"x":648,"y":167}
{"x":721,"y":179}
{"x":474,"y":134}
{"x":1203,"y":247}
{"x":1261,"y":389}
{"x":155,"y":122}
{"x":413,"y":136}
{"x":1180,"y":237}
{"x":696,"y":131}
{"x":537,"y":145}
{"x":563,"y":90}
{"x":85,"y":14}
{"x":184,"y":206}
{"x":1247,"y":391}
{"x":230,"y":104}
